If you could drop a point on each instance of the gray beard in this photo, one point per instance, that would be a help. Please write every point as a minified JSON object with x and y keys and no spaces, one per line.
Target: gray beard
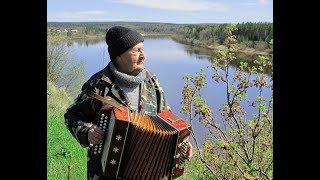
{"x":128,"y":80}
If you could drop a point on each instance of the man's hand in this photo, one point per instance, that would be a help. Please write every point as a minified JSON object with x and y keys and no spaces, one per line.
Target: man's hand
{"x":189,"y":151}
{"x":95,"y":135}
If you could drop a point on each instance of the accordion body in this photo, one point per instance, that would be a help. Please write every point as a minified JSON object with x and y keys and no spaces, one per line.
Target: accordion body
{"x":142,"y":147}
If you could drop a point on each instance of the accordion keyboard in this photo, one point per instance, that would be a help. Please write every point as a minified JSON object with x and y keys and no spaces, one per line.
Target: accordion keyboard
{"x":97,"y":149}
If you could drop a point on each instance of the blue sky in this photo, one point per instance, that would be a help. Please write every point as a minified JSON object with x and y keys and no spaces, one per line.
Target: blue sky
{"x":164,"y":11}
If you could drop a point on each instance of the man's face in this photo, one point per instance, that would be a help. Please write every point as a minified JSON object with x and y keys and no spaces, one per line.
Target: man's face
{"x":131,"y":62}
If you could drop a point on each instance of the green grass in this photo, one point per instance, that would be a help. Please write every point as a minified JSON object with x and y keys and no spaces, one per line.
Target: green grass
{"x":60,"y":147}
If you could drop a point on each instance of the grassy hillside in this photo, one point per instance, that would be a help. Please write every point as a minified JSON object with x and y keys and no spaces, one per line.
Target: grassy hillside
{"x":60,"y":144}
{"x":64,"y":151}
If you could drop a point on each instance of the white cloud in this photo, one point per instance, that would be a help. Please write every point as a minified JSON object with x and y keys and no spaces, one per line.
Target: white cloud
{"x":255,"y":3}
{"x":182,"y":5}
{"x":95,"y":15}
{"x":248,"y":4}
{"x":264,"y":1}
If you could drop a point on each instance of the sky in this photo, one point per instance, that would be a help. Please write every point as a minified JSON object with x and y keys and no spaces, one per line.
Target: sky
{"x":162,"y":11}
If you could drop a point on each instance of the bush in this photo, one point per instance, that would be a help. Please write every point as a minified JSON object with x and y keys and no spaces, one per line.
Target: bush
{"x":63,"y":68}
{"x":238,"y":147}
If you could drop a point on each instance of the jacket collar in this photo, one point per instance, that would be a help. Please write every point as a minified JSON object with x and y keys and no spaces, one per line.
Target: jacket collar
{"x":109,"y":77}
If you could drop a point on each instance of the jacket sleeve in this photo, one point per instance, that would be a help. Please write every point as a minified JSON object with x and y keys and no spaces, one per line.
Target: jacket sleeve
{"x":79,"y":116}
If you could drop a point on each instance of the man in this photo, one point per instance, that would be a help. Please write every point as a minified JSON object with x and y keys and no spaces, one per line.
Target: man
{"x":126,"y":82}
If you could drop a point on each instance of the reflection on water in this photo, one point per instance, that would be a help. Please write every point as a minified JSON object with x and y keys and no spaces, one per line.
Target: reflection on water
{"x":157,"y":37}
{"x":85,"y":42}
{"x":200,"y":53}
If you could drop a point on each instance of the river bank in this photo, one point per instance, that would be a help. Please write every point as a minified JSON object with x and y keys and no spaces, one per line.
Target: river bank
{"x":246,"y":50}
{"x":216,"y":47}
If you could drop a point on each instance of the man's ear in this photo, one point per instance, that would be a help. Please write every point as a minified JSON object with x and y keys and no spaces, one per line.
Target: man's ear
{"x":115,"y":60}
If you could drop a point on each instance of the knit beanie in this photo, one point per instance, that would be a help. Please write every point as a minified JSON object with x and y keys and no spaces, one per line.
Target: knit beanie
{"x":119,"y":39}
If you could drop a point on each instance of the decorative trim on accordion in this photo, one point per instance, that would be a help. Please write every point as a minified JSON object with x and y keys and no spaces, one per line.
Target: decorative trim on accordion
{"x":114,"y":143}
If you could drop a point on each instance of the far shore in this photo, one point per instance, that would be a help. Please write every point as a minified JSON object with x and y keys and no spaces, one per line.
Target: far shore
{"x":156,"y":34}
{"x":246,"y":50}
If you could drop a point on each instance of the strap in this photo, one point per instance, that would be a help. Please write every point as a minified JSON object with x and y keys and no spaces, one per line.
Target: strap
{"x":103,"y":99}
{"x":158,"y":94}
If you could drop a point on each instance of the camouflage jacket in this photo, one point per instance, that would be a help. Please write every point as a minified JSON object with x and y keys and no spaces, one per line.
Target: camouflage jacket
{"x":85,"y":109}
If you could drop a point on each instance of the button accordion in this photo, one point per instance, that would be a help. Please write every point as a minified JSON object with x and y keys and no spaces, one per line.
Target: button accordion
{"x":142,"y":147}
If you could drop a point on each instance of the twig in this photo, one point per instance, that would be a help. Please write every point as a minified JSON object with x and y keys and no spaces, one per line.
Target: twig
{"x":69,"y":167}
{"x":200,"y":155}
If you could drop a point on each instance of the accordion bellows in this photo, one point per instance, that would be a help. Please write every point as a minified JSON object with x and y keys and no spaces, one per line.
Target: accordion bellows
{"x":143,"y":147}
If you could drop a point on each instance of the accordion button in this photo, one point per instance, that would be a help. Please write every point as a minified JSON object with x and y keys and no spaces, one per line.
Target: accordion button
{"x":102,"y":115}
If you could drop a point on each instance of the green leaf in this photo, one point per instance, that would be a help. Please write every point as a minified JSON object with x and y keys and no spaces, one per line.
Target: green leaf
{"x":261,"y":106}
{"x":263,"y":58}
{"x":198,"y":99}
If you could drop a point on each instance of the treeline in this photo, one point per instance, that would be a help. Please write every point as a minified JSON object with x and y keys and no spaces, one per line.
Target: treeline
{"x":101,"y":27}
{"x":258,"y":35}
{"x":253,"y":35}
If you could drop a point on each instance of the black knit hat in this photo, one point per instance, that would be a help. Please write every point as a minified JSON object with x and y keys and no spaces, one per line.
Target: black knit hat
{"x":119,"y":39}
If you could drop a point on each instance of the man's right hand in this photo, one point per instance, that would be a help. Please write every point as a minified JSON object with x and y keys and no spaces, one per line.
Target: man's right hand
{"x":95,"y":135}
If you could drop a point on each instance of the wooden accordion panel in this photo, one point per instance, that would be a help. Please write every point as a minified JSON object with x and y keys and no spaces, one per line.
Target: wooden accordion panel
{"x":143,"y":147}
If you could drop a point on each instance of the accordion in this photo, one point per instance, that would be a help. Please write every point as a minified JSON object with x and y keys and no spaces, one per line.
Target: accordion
{"x":142,"y":147}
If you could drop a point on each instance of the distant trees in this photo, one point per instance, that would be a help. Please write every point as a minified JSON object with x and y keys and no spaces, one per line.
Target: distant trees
{"x":101,"y":27}
{"x":253,"y":35}
{"x":93,"y":30}
{"x":201,"y":34}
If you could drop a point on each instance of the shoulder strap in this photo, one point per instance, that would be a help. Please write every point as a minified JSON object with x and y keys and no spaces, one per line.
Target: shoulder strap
{"x":158,"y":94}
{"x":106,"y":100}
